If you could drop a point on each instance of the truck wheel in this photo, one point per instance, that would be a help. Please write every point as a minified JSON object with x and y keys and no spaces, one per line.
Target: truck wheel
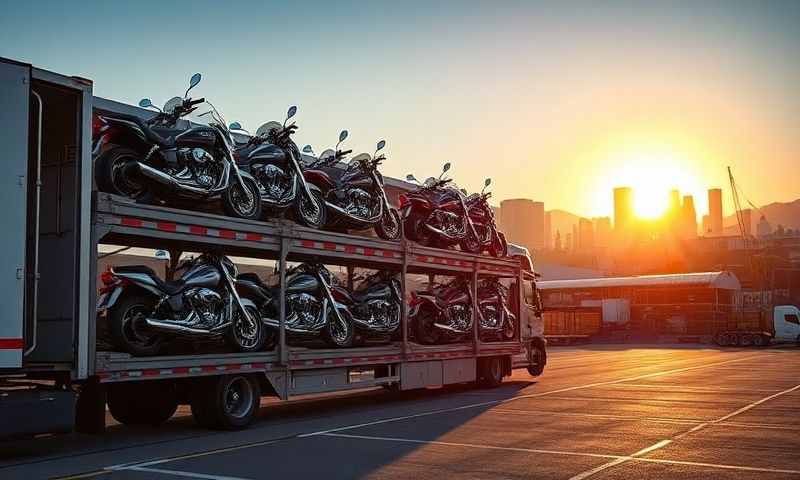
{"x":228,"y":402}
{"x":490,"y":372}
{"x":761,"y":341}
{"x":142,"y":403}
{"x":128,"y":328}
{"x":745,"y":340}
{"x":537,"y":359}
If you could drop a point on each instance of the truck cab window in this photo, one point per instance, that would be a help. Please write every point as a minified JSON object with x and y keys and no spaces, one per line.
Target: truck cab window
{"x":792,"y":318}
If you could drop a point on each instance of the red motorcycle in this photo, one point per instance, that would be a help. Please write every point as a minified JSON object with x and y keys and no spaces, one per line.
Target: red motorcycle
{"x":441,"y":314}
{"x":481,"y":217}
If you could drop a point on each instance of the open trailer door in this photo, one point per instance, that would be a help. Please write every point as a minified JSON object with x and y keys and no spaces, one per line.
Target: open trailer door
{"x":14,"y":97}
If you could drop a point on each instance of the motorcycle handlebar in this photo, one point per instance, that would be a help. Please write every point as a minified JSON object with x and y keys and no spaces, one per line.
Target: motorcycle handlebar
{"x":195,"y":102}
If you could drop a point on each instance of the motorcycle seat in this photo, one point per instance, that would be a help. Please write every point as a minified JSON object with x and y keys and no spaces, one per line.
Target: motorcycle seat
{"x":170,"y":288}
{"x":250,"y":277}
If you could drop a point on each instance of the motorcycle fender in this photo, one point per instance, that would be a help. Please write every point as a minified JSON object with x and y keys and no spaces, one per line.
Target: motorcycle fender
{"x":251,"y":290}
{"x":143,"y":281}
{"x":127,"y":133}
{"x":108,"y":299}
{"x":423,"y":300}
{"x":319,"y":178}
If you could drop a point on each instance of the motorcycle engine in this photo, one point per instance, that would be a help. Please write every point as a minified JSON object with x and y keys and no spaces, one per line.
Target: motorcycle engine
{"x":199,"y":165}
{"x":491,"y":316}
{"x":207,"y":303}
{"x":460,"y":317}
{"x":360,"y":203}
{"x":380,"y":313}
{"x":303,"y":310}
{"x":448,"y":222}
{"x":275,"y":181}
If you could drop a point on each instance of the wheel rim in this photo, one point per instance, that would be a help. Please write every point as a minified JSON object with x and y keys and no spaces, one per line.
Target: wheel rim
{"x":340,"y":330}
{"x":390,"y":223}
{"x":134,"y":326}
{"x":311,"y":210}
{"x":121,"y":178}
{"x":247,"y":330}
{"x":238,"y":398}
{"x":243,"y":200}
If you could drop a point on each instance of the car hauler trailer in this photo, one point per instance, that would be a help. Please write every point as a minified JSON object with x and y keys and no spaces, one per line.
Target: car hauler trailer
{"x":54,"y":222}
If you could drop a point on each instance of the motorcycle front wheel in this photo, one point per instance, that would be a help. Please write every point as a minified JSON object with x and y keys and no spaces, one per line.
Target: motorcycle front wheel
{"x":390,"y":227}
{"x":471,"y":244}
{"x":115,"y":172}
{"x":338,"y":333}
{"x":242,"y":202}
{"x":311,"y":212}
{"x":424,"y":330}
{"x":247,"y":335}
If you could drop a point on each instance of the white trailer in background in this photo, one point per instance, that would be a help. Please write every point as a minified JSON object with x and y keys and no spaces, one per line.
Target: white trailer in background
{"x":53,"y":372}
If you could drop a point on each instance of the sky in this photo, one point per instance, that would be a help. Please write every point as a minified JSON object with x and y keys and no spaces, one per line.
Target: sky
{"x":555,"y":101}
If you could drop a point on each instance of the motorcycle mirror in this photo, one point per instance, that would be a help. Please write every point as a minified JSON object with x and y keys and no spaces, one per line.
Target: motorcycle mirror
{"x":343,"y":135}
{"x":380,"y":146}
{"x":464,"y":191}
{"x":446,"y":167}
{"x":487,"y":182}
{"x":235,"y":126}
{"x":145,"y":103}
{"x":411,"y":178}
{"x":308,"y":149}
{"x":290,"y":113}
{"x":162,"y":255}
{"x":193,"y":83}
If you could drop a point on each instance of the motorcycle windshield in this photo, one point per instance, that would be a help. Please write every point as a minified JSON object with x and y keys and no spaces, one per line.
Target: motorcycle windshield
{"x":207,"y":114}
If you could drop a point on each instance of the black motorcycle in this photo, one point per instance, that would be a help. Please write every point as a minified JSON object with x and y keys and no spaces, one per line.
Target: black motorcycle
{"x":375,"y":305}
{"x":144,"y":311}
{"x":496,"y":321}
{"x":273,"y":159}
{"x":153,"y":159}
{"x":442,"y":313}
{"x":311,"y":309}
{"x":356,"y":199}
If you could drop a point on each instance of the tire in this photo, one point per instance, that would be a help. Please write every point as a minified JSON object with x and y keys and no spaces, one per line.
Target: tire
{"x":112,"y":175}
{"x":490,"y":372}
{"x":247,"y":337}
{"x":142,"y":403}
{"x":539,"y":356}
{"x":127,"y":326}
{"x":338,"y":334}
{"x":303,"y":212}
{"x":746,"y":340}
{"x":760,"y":340}
{"x":227,"y":402}
{"x":240,"y":204}
{"x":424,"y":331}
{"x":383,"y":229}
{"x":471,"y":244}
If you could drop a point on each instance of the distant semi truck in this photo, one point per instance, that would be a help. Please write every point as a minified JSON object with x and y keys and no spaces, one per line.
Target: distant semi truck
{"x":759,"y":328}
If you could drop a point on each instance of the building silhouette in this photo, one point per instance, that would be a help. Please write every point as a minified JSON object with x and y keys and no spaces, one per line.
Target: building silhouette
{"x":602,"y":231}
{"x":714,"y":212}
{"x":689,"y":217}
{"x":585,"y":234}
{"x":522,"y":221}
{"x":623,"y":209}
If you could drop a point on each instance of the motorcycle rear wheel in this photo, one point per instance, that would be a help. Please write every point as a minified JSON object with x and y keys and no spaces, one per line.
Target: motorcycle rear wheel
{"x":242,"y":204}
{"x":113,"y":173}
{"x":128,"y":328}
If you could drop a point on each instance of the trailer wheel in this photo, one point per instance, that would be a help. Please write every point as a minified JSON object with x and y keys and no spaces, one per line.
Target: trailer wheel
{"x":745,"y":340}
{"x":537,"y":359}
{"x":142,"y":403}
{"x":490,"y":372}
{"x":228,"y":402}
{"x":761,"y":341}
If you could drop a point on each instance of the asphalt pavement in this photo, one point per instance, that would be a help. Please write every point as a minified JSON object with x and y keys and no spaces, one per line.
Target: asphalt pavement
{"x":600,"y":412}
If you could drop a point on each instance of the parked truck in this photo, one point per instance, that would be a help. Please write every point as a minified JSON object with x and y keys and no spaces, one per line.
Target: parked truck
{"x":759,"y":328}
{"x":55,"y":374}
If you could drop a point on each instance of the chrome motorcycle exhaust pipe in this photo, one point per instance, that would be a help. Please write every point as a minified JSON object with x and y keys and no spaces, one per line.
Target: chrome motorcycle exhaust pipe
{"x":166,"y":180}
{"x":443,"y":233}
{"x":450,"y":329}
{"x":347,"y":214}
{"x":274,"y":323}
{"x":375,"y":328}
{"x":184,"y":330}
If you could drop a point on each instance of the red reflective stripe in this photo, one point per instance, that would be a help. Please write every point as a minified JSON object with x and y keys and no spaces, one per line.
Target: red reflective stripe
{"x":11,"y":344}
{"x":131,"y":222}
{"x":307,"y":243}
{"x":166,"y":226}
{"x":227,"y":234}
{"x":328,"y":246}
{"x":350,"y":248}
{"x":198,"y":230}
{"x":369,"y":252}
{"x":253,"y":236}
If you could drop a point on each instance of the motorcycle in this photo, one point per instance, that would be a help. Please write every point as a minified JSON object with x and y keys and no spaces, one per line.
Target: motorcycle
{"x":482,"y":219}
{"x":311,"y":308}
{"x":273,"y":159}
{"x":144,"y":311}
{"x":495,"y":319}
{"x":149,"y":159}
{"x":436,"y":214}
{"x":357,"y":199}
{"x":374,"y":306}
{"x":441,"y":314}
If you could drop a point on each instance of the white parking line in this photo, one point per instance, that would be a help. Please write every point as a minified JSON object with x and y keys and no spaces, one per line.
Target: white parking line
{"x":520,"y":397}
{"x":696,"y":428}
{"x":179,"y":473}
{"x":616,"y":459}
{"x":632,"y":418}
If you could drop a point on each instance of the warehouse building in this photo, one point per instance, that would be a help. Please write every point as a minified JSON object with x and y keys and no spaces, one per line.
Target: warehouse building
{"x":689,"y":306}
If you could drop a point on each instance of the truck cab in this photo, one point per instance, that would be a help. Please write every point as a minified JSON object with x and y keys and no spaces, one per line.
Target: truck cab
{"x":531,"y":319}
{"x":786,"y":319}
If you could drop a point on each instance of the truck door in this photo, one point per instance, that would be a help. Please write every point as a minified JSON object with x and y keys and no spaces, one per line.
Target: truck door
{"x":14,"y":97}
{"x":787,"y":323}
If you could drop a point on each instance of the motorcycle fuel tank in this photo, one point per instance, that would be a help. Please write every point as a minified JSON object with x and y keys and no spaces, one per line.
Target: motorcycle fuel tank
{"x":302,"y":283}
{"x":197,"y":137}
{"x":201,"y":275}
